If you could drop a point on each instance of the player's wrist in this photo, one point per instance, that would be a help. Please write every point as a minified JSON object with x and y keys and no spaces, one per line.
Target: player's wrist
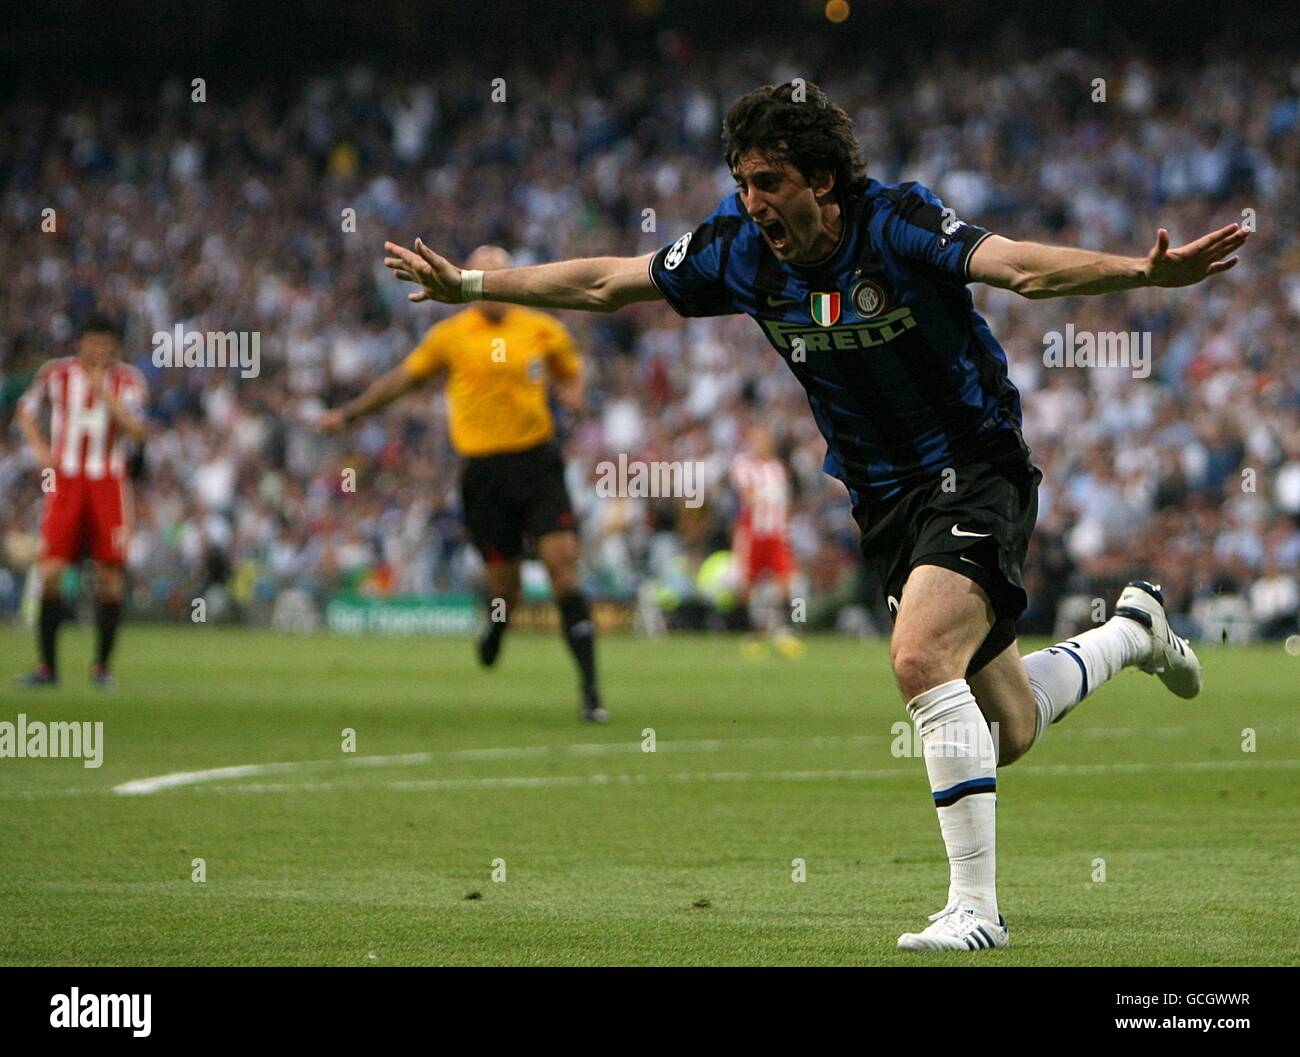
{"x":471,"y":284}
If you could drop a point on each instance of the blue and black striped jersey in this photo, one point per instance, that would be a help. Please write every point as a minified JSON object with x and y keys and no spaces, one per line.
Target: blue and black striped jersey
{"x":904,"y":377}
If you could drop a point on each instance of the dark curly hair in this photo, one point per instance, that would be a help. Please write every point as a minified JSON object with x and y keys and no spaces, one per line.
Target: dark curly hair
{"x":99,"y":322}
{"x":814,"y":135}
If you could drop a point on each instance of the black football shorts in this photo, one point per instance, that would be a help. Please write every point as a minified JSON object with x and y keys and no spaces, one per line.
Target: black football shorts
{"x":514,"y":497}
{"x":976,"y":521}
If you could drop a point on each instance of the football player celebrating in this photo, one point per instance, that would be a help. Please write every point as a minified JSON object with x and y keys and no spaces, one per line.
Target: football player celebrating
{"x":497,"y":362}
{"x":861,"y":288}
{"x":95,"y":403}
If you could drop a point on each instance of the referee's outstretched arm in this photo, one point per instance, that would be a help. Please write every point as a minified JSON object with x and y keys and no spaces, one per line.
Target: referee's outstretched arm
{"x":381,"y":392}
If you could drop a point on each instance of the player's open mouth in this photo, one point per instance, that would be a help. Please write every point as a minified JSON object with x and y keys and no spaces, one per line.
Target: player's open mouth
{"x":775,"y":233}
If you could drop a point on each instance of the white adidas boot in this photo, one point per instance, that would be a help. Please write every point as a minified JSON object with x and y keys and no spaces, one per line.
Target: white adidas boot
{"x":956,"y":928}
{"x":1171,"y":658}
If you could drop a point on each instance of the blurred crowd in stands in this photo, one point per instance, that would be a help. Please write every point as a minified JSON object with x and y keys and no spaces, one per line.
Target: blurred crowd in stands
{"x":267,"y":212}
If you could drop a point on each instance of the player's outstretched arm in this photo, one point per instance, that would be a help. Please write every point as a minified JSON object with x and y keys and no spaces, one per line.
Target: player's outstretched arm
{"x":1036,"y":271}
{"x":380,"y":393}
{"x":595,"y":284}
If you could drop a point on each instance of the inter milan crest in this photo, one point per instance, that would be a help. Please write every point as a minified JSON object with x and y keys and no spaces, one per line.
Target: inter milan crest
{"x":869,"y":298}
{"x":825,"y":308}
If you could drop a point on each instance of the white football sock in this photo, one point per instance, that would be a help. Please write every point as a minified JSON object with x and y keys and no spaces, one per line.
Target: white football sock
{"x":961,"y":763}
{"x":1063,"y":675}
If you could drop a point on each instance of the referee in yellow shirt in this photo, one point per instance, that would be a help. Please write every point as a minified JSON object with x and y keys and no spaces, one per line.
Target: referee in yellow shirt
{"x":497,"y":360}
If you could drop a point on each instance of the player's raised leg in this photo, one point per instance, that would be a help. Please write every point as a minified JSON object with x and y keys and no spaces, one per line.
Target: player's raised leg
{"x":943,"y":617}
{"x":1006,"y":700}
{"x":1025,"y":695}
{"x":559,"y":553}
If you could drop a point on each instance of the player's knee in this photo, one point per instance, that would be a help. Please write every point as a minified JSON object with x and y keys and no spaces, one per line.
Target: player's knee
{"x":51,"y":579}
{"x":919,"y":669}
{"x":1014,"y":740}
{"x":564,"y":579}
{"x":111,"y":584}
{"x":562,"y":569}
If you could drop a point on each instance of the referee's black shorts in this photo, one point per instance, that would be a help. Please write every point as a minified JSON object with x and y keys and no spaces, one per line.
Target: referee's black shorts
{"x":976,"y":521}
{"x":514,"y":498}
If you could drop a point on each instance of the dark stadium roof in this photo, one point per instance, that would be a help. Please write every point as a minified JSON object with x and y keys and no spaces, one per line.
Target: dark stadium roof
{"x":78,"y":44}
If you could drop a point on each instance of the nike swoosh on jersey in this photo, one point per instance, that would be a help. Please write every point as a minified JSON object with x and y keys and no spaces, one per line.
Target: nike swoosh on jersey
{"x":772,"y":302}
{"x":959,"y":532}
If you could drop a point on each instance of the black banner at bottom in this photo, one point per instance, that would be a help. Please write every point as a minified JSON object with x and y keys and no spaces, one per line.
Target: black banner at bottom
{"x":86,"y":1006}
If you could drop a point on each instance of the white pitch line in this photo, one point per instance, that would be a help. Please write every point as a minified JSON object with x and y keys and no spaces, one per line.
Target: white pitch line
{"x":1143,"y":768}
{"x":880,"y":774}
{"x":180,"y":779}
{"x":145,"y":786}
{"x":572,"y":780}
{"x":42,"y":794}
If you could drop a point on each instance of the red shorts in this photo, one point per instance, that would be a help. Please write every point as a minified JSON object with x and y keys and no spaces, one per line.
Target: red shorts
{"x":86,"y":516}
{"x":756,"y":555}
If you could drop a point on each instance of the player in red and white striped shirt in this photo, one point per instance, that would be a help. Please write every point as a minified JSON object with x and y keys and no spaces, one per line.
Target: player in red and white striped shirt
{"x":95,"y":402}
{"x":760,"y":545}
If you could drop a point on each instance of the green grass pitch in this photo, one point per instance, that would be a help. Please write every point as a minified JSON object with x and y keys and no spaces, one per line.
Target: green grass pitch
{"x":614,"y":855}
